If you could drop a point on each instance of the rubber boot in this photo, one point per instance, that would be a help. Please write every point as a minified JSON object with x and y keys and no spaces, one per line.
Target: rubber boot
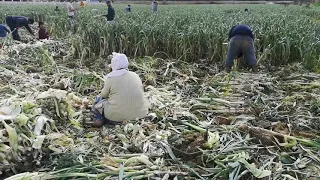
{"x":254,"y":68}
{"x":227,"y":69}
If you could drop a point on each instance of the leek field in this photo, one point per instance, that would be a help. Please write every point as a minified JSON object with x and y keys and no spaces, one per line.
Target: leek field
{"x":203,"y":123}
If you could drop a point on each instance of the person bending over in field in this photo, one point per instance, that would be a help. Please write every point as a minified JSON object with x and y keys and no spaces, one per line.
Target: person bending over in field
{"x":111,"y":13}
{"x":122,"y":97}
{"x":241,"y":43}
{"x":15,"y":22}
{"x":43,"y":33}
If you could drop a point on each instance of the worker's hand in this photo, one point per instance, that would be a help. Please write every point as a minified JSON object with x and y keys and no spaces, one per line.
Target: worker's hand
{"x":17,"y":28}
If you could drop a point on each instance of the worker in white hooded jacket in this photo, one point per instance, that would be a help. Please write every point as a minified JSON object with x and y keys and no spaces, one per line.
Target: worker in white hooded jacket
{"x":122,"y":97}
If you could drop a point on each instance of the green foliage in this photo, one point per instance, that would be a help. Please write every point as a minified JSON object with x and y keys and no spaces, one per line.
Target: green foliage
{"x":186,"y":32}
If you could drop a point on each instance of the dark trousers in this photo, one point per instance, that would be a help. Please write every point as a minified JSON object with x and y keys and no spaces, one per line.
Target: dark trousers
{"x":100,"y":117}
{"x":241,"y":45}
{"x":12,"y":25}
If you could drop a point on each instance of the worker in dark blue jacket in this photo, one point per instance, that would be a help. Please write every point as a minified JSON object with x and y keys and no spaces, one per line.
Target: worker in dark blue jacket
{"x":3,"y":31}
{"x":241,"y":43}
{"x":111,"y":13}
{"x":15,"y":22}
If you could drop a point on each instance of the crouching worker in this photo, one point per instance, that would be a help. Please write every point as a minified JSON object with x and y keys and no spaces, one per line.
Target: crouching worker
{"x":43,"y":33}
{"x":122,"y":97}
{"x":15,"y":22}
{"x":241,"y":43}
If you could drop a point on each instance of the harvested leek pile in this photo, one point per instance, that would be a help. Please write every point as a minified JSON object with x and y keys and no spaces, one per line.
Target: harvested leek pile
{"x":203,"y":123}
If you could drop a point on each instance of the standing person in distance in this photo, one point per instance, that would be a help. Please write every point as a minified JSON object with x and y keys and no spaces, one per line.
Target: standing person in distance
{"x":111,"y":13}
{"x":15,"y":22}
{"x":82,"y":4}
{"x":71,"y":10}
{"x":241,"y":41}
{"x":246,"y":11}
{"x":71,"y":15}
{"x":154,"y":6}
{"x":128,"y":8}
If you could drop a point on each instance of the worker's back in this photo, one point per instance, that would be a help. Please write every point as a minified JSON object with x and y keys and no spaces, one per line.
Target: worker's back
{"x":126,"y":99}
{"x":241,"y":29}
{"x":19,"y":19}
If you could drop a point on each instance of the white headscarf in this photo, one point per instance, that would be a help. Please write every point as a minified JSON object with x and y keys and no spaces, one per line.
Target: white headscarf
{"x":119,"y":65}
